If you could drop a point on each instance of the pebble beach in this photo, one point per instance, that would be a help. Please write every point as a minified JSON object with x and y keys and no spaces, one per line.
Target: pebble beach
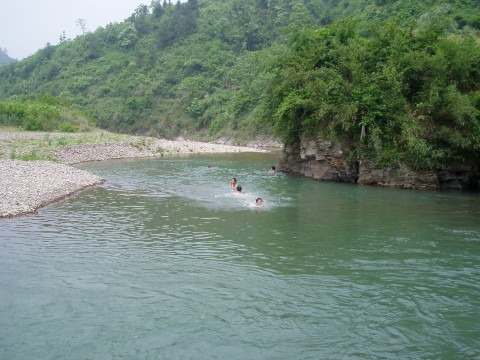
{"x":26,"y":186}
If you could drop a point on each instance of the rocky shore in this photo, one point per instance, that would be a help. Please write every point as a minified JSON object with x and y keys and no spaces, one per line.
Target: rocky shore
{"x":149,"y":147}
{"x":325,"y":160}
{"x":26,"y":186}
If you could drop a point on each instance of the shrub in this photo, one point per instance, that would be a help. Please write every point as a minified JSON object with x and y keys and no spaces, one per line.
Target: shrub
{"x":67,"y":127}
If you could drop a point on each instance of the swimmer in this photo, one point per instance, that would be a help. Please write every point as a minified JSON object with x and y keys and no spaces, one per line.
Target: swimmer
{"x":233,"y":183}
{"x":239,"y":190}
{"x":272,"y":170}
{"x":259,"y":202}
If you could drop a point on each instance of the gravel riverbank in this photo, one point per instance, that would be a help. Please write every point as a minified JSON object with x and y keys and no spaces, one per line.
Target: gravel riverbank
{"x":26,"y":186}
{"x":147,"y":147}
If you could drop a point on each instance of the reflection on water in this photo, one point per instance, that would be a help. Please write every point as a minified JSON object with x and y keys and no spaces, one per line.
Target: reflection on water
{"x":163,"y":261}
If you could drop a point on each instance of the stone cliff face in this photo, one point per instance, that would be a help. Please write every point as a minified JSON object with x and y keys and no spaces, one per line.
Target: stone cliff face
{"x":324,"y":160}
{"x":320,"y":160}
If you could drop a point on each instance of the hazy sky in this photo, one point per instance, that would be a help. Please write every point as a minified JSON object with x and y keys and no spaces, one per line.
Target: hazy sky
{"x":28,"y":25}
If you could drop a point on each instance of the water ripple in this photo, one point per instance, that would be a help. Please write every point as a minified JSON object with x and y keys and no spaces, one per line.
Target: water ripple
{"x":164,"y":262}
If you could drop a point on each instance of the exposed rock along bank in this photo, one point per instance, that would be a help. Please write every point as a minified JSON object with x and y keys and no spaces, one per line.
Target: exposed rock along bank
{"x":323,"y":160}
{"x":26,"y":186}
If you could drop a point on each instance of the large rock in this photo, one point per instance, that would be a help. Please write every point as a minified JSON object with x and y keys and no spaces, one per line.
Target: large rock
{"x":456,"y":178}
{"x":324,"y":160}
{"x":401,"y":177}
{"x":318,"y":159}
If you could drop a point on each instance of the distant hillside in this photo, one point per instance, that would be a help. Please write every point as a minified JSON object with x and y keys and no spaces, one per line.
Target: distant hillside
{"x":199,"y":68}
{"x":4,"y":58}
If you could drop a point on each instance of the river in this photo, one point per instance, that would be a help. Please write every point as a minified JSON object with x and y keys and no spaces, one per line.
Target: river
{"x":164,"y":261}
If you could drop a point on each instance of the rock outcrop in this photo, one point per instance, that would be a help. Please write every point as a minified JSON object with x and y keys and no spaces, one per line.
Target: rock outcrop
{"x":325,"y":160}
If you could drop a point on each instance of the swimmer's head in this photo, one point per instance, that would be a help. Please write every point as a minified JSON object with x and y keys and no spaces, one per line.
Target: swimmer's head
{"x":239,"y":188}
{"x":259,"y":201}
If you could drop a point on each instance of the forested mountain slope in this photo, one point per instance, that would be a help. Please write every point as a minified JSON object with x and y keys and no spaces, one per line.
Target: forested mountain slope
{"x":398,"y":77}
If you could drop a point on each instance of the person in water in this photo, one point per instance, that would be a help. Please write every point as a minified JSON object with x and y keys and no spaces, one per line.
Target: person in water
{"x":239,"y":190}
{"x":272,"y":170}
{"x":259,"y":202}
{"x":233,"y":183}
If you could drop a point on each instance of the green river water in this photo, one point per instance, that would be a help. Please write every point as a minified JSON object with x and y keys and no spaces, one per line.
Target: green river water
{"x":163,"y":261}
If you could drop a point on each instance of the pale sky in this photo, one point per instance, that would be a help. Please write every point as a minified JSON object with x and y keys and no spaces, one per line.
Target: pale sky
{"x":28,"y":25}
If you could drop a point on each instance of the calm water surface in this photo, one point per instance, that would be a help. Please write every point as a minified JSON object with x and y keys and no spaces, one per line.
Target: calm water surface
{"x":163,"y":261}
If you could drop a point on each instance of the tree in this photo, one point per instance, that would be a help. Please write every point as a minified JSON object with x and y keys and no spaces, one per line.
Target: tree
{"x":157,"y":9}
{"x":82,"y":24}
{"x":63,"y":37}
{"x":139,"y":19}
{"x":299,"y":14}
{"x":127,"y":35}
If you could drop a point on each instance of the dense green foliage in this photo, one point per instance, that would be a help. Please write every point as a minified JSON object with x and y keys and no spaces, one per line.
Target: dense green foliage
{"x":410,"y":95}
{"x":208,"y":68}
{"x":46,"y":113}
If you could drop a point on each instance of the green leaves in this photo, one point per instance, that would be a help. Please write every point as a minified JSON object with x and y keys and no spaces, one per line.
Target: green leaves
{"x":385,"y":96}
{"x":45,"y":114}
